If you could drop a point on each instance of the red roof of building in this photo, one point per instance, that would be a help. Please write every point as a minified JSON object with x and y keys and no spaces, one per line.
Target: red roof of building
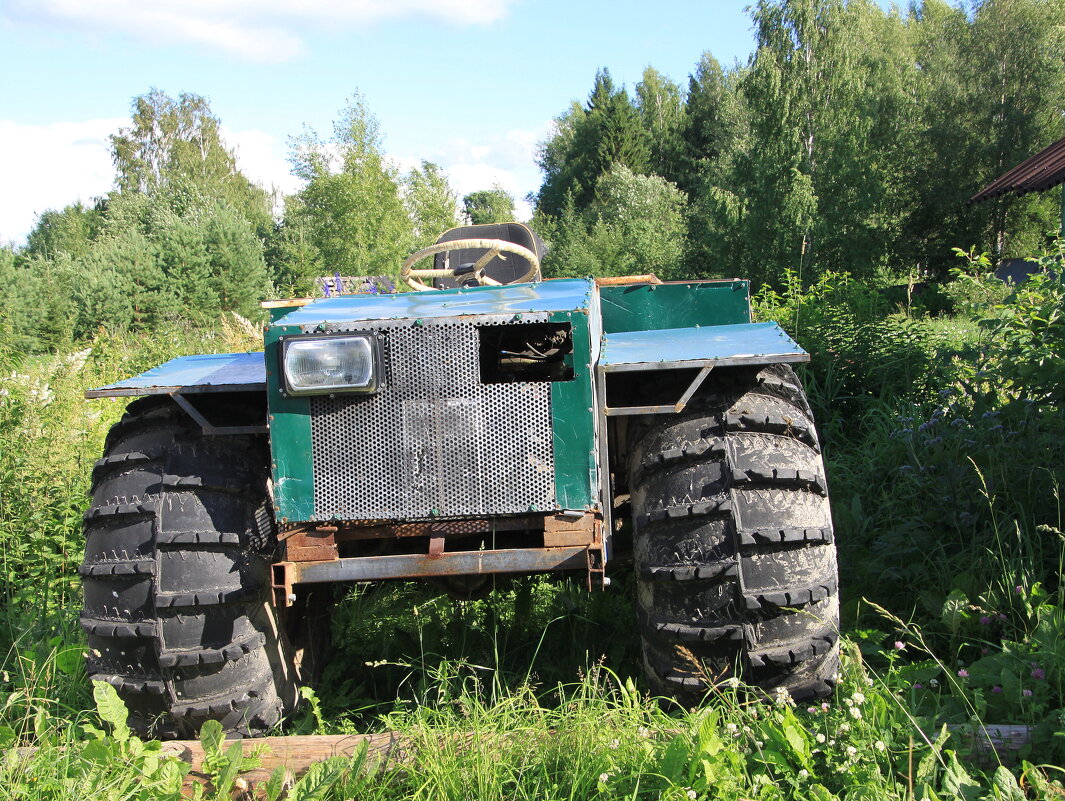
{"x":1037,"y":174}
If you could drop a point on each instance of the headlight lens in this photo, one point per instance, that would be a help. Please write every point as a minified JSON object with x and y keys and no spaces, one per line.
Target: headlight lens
{"x":330,"y":364}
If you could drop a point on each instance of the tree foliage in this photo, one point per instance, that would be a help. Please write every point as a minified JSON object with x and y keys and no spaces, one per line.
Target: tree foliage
{"x":489,"y":206}
{"x":851,"y":139}
{"x":350,"y":208}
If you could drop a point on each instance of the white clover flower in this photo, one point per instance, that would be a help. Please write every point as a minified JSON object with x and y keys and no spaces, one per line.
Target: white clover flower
{"x":820,"y":737}
{"x":844,"y":727}
{"x":615,"y":743}
{"x":879,"y":745}
{"x":732,"y":683}
{"x":856,"y":713}
{"x":859,"y":698}
{"x":848,"y":701}
{"x":731,"y":728}
{"x":643,"y":731}
{"x":831,"y":743}
{"x":868,"y":682}
{"x":603,"y":778}
{"x":804,"y":773}
{"x":851,"y":751}
{"x":692,"y":795}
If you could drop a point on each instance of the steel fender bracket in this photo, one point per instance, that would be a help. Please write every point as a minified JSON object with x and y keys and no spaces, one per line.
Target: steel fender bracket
{"x":212,"y":372}
{"x":697,"y":349}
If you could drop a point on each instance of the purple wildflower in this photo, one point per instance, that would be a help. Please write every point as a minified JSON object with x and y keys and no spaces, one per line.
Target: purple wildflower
{"x":1002,"y":617}
{"x":996,"y":689}
{"x":1039,"y":674}
{"x":918,"y":686}
{"x":900,"y":645}
{"x":963,"y":673}
{"x":985,"y":620}
{"x":1026,"y":693}
{"x":1019,"y":589}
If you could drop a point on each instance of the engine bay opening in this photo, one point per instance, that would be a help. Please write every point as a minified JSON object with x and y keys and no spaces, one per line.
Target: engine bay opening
{"x":528,"y":352}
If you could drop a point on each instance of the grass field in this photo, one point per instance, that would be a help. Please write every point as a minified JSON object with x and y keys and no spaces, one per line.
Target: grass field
{"x":945,"y":491}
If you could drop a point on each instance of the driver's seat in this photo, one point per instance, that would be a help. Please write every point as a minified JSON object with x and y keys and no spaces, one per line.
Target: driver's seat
{"x":505,"y":268}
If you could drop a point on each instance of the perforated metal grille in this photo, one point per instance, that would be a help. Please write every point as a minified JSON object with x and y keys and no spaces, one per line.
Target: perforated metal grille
{"x":435,"y":441}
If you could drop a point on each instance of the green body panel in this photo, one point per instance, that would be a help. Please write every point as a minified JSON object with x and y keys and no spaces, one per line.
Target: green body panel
{"x":290,"y":438}
{"x":573,"y":421}
{"x":649,"y":307}
{"x":572,"y":402}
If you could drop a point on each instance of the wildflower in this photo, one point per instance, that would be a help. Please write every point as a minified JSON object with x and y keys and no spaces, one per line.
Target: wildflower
{"x":758,"y":743}
{"x":868,"y":682}
{"x":732,"y":729}
{"x":933,"y":683}
{"x":963,"y":673}
{"x":604,"y":777}
{"x":615,"y":744}
{"x":918,"y":686}
{"x":985,"y":620}
{"x":732,"y":683}
{"x":643,"y":731}
{"x":997,"y":688}
{"x":1019,"y":589}
{"x":900,"y":645}
{"x":1002,"y":617}
{"x":824,"y":706}
{"x":783,"y":698}
{"x":804,"y":773}
{"x":1039,"y":674}
{"x":1026,"y":693}
{"x":859,"y":698}
{"x":856,"y":713}
{"x":819,"y":737}
{"x":831,"y":743}
{"x":692,"y":795}
{"x":844,"y":727}
{"x":879,"y":745}
{"x":851,"y":751}
{"x":810,"y":710}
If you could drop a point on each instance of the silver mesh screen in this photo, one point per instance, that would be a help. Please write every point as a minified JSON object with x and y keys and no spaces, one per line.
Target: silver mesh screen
{"x":435,"y":441}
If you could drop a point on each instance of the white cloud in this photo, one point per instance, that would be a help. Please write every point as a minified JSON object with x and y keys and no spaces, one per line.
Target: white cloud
{"x":254,"y":30}
{"x":263,"y":158}
{"x":507,"y":160}
{"x":50,"y":166}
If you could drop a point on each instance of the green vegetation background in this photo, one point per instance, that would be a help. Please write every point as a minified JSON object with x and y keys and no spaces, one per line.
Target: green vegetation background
{"x":832,"y":170}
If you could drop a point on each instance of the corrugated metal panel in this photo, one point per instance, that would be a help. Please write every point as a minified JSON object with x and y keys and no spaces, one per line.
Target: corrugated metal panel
{"x":1042,"y":171}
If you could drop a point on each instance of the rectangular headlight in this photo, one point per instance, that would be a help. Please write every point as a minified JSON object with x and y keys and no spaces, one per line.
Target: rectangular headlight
{"x":323,"y":365}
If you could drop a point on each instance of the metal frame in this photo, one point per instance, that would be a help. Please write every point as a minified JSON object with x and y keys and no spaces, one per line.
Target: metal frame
{"x":207,"y":427}
{"x":286,"y":575}
{"x":706,"y":366}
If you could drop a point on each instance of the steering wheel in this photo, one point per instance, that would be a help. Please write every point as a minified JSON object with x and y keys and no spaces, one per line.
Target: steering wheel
{"x":474,"y":271}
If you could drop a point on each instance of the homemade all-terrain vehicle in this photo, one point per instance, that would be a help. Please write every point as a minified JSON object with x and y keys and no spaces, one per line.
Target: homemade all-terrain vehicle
{"x":492,"y":423}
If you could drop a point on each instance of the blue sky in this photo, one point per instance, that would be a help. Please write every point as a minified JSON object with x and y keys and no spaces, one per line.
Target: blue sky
{"x":469,"y":84}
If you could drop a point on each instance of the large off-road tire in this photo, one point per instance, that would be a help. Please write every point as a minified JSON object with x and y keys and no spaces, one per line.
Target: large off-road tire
{"x":178,"y":544}
{"x":735,"y":560}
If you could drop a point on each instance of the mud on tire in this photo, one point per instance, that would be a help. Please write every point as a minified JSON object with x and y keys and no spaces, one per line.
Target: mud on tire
{"x":179,"y":538}
{"x":735,"y":559}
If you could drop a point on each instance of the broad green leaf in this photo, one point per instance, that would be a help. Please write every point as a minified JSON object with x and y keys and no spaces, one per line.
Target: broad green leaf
{"x":111,"y":709}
